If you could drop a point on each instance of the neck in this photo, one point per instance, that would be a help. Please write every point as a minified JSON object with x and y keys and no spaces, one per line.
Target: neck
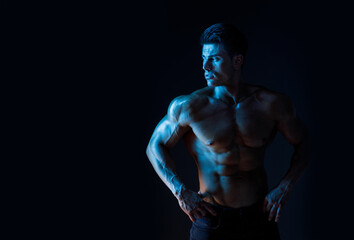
{"x":231,"y":93}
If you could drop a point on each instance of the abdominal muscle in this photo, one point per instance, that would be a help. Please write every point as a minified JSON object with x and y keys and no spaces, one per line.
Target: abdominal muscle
{"x":230,"y":179}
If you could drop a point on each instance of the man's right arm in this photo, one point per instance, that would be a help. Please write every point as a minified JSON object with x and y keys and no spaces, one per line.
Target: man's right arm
{"x":165,"y":136}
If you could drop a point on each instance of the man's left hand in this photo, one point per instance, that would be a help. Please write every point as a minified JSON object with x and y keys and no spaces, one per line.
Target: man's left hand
{"x":274,"y":202}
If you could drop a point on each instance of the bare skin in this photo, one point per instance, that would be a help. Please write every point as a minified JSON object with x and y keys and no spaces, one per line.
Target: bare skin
{"x":227,"y":127}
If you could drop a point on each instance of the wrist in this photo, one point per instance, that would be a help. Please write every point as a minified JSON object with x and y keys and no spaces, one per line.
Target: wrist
{"x":179,"y":191}
{"x":286,"y":184}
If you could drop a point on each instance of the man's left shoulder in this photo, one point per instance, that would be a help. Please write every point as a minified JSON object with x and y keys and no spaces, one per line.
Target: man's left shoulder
{"x":274,"y":102}
{"x":271,"y":97}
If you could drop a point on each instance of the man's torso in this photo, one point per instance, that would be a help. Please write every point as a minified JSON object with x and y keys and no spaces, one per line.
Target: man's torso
{"x":228,"y":144}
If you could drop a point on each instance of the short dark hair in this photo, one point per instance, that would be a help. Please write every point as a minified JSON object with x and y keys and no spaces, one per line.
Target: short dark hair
{"x":230,"y":37}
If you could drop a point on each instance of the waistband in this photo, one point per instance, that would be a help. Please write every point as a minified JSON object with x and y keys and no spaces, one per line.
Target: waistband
{"x":226,"y":211}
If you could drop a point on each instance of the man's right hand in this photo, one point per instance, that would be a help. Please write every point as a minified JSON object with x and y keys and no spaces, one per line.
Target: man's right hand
{"x":193,"y":205}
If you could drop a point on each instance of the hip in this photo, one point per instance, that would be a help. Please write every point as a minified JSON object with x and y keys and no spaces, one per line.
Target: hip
{"x":241,"y":223}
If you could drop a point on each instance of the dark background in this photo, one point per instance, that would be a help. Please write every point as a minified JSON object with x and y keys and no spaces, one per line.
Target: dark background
{"x":102,"y":76}
{"x":299,"y":48}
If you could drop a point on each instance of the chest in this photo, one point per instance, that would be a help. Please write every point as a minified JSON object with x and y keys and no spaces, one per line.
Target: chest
{"x":247,"y":125}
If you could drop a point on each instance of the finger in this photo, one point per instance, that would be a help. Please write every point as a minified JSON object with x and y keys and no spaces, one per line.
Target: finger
{"x":202,"y":210}
{"x":269,"y":206}
{"x":278,"y":213}
{"x":209,"y":209}
{"x":191,"y":217}
{"x":273,"y":211}
{"x":196,"y":213}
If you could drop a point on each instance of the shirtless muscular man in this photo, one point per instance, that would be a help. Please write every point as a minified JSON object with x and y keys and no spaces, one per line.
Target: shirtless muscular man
{"x":226,"y":127}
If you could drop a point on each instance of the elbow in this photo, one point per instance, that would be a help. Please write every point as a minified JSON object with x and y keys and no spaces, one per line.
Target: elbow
{"x":152,"y":149}
{"x":148,"y":151}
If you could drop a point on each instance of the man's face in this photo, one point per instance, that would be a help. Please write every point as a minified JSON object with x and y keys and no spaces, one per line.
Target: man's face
{"x":217,"y":65}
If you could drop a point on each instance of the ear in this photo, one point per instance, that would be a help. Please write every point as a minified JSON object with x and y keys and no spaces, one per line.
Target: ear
{"x":237,"y":61}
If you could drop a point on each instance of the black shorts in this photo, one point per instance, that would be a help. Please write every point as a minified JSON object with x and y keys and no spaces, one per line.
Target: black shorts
{"x":246,"y":223}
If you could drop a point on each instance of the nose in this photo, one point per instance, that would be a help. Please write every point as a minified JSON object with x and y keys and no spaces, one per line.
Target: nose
{"x":207,"y":65}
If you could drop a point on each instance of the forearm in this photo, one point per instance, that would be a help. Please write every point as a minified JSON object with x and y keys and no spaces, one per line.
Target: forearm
{"x":298,"y":164}
{"x":163,"y":164}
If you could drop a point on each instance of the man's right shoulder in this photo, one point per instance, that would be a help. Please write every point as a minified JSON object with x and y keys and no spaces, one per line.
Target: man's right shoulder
{"x":187,"y":105}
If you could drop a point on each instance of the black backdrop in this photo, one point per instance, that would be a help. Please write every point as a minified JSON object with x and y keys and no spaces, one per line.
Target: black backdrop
{"x":116,"y":67}
{"x":298,"y":48}
{"x":153,"y":55}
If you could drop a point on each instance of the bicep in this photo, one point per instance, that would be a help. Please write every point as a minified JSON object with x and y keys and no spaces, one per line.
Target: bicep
{"x":172,"y":126}
{"x":293,"y":129}
{"x":288,"y":123}
{"x":168,"y":132}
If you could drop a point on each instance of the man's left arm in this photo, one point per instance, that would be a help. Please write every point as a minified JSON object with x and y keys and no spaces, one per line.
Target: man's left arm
{"x":295,"y":131}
